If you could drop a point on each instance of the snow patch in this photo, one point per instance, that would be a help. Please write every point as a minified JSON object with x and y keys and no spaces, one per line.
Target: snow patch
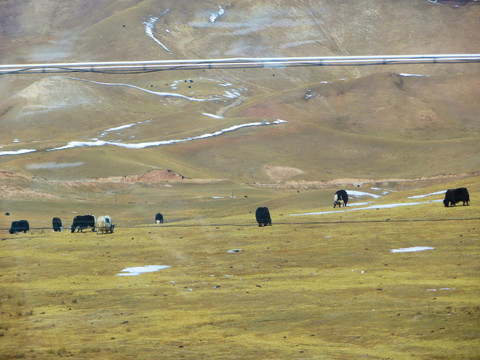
{"x":431,"y":194}
{"x":389,"y":206}
{"x":74,"y":144}
{"x":360,"y":204}
{"x":213,"y":116}
{"x":17,"y":152}
{"x":214,"y":16}
{"x":412,"y":249}
{"x":232,"y":94}
{"x":122,"y":127}
{"x":372,"y":207}
{"x":150,"y":26}
{"x":362,"y":193}
{"x":135,"y":271}
{"x":442,"y":289}
{"x":411,"y":75}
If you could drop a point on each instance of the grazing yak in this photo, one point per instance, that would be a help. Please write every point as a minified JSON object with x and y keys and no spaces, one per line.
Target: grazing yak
{"x":57,"y":224}
{"x":19,"y":226}
{"x":104,"y":224}
{"x":340,"y":197}
{"x":453,"y":196}
{"x":159,"y":218}
{"x":82,"y":222}
{"x":263,"y":216}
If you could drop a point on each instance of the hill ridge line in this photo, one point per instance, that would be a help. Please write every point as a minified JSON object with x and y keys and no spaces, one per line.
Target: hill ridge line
{"x":323,"y":184}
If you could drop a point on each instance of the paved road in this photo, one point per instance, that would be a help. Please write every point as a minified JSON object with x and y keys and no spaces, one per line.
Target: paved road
{"x":163,"y":65}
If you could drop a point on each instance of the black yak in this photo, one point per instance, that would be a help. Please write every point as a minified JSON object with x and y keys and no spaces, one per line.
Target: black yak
{"x":159,"y":218}
{"x":57,"y":224}
{"x":340,"y":198}
{"x":19,"y":226}
{"x":453,"y":196}
{"x":83,"y":222}
{"x":263,"y":216}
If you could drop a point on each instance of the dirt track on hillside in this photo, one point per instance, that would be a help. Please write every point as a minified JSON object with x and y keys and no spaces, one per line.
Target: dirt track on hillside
{"x":349,"y":182}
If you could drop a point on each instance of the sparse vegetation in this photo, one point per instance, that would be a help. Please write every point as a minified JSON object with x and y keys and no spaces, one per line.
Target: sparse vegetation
{"x":307,"y":287}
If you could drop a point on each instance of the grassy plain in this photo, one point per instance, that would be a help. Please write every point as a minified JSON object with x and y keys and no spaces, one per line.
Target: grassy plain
{"x":309,"y":287}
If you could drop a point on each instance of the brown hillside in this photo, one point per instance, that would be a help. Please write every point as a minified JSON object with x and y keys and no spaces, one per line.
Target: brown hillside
{"x":340,"y":121}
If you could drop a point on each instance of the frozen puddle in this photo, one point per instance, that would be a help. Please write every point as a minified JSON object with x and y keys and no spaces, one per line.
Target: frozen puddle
{"x":137,"y":270}
{"x":412,"y":249}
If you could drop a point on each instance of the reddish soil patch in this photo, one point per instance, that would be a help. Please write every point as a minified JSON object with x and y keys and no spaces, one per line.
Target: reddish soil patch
{"x":146,"y":177}
{"x":268,"y":110}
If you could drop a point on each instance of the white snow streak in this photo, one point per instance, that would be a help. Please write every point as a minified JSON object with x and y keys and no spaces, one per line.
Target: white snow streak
{"x":412,"y":249}
{"x":389,"y":206}
{"x":74,"y":144}
{"x":421,"y":196}
{"x":122,"y":127}
{"x":145,"y":90}
{"x":213,"y":116}
{"x":412,"y":75}
{"x":361,"y":193}
{"x":17,"y":152}
{"x":150,"y":26}
{"x":371,"y":207}
{"x":135,"y":271}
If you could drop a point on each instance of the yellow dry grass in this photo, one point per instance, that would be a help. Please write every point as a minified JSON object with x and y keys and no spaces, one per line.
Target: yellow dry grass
{"x":309,"y":287}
